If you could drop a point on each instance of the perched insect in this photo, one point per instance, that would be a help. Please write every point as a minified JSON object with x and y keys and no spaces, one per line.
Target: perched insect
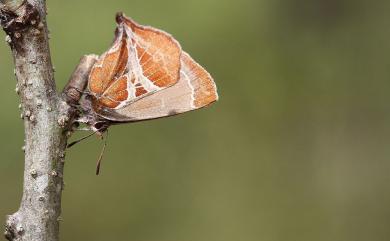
{"x":143,"y":75}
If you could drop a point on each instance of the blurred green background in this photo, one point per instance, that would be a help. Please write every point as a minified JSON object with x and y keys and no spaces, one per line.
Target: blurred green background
{"x":297,"y":148}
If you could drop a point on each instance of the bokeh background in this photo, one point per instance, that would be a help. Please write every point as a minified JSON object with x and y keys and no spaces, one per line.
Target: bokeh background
{"x":297,"y":148}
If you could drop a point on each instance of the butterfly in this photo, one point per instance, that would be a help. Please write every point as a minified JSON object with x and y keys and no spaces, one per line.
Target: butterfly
{"x":143,"y":75}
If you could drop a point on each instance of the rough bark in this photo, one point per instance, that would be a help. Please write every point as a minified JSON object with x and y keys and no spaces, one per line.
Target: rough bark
{"x":48,"y":117}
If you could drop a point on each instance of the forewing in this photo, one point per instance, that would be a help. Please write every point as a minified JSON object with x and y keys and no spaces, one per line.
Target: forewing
{"x":141,"y":61}
{"x":157,"y":53}
{"x":195,"y":89}
{"x":109,"y":68}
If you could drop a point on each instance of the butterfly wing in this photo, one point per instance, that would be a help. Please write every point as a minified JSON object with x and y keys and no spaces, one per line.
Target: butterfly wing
{"x":142,"y":60}
{"x":195,"y":89}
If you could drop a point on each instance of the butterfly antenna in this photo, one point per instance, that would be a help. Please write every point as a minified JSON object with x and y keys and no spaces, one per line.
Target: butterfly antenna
{"x":77,"y":141}
{"x":99,"y":161}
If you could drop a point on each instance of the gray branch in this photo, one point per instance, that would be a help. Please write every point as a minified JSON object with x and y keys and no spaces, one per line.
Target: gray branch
{"x":48,"y":117}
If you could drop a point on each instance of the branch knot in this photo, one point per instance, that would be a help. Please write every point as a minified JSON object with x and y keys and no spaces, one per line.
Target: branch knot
{"x":17,"y":19}
{"x":13,"y":227}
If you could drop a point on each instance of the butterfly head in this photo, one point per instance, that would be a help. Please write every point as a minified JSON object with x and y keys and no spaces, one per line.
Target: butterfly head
{"x":89,"y":115}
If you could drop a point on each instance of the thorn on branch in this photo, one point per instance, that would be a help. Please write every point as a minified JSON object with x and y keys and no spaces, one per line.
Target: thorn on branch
{"x":41,"y":25}
{"x":39,"y":102}
{"x":27,"y":113}
{"x":8,"y":39}
{"x":63,"y":121}
{"x":36,"y":32}
{"x":34,"y":173}
{"x":20,"y":230}
{"x":54,"y":173}
{"x":62,"y":154}
{"x":32,"y":118}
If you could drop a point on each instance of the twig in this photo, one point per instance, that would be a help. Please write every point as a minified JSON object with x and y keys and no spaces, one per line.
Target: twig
{"x":47,"y":117}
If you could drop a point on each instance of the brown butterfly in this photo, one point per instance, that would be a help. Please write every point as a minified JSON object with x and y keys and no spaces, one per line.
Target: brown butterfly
{"x":143,"y":75}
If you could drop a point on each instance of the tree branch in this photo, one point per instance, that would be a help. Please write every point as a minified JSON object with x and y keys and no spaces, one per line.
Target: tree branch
{"x":47,"y":120}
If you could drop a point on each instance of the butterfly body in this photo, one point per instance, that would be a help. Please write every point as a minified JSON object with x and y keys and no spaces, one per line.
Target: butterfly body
{"x":144,"y":75}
